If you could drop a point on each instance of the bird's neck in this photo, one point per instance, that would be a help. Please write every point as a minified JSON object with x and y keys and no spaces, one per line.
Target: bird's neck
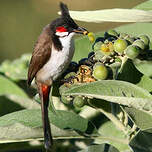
{"x":56,"y":42}
{"x":63,"y":42}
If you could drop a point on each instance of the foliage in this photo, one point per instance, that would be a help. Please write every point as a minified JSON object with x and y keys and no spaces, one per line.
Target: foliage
{"x":122,"y":115}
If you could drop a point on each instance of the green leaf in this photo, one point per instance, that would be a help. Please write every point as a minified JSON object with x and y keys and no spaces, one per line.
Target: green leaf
{"x":66,"y":119}
{"x":130,"y":74}
{"x":144,"y":67}
{"x":100,"y":148}
{"x":82,"y":47}
{"x":26,"y":125}
{"x":112,"y":136}
{"x":17,"y":69}
{"x":146,"y":83}
{"x":32,"y":118}
{"x":119,"y":92}
{"x":141,"y":28}
{"x":8,"y":87}
{"x":113,"y":15}
{"x":142,"y":142}
{"x":140,"y":118}
{"x":19,"y":133}
{"x":145,"y":6}
{"x":8,"y":106}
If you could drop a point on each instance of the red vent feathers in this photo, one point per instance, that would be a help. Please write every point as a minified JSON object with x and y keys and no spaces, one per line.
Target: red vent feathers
{"x":61,"y":29}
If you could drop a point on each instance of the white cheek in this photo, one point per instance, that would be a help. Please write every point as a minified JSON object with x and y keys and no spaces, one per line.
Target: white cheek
{"x":62,"y":34}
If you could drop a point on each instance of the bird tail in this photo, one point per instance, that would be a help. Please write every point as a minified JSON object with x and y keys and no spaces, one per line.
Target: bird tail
{"x":44,"y":92}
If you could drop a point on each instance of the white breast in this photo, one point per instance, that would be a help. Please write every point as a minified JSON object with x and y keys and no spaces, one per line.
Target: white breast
{"x":59,"y":60}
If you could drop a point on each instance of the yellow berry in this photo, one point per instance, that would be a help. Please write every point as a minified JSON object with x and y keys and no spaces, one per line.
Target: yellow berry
{"x":91,"y":37}
{"x":107,"y":49}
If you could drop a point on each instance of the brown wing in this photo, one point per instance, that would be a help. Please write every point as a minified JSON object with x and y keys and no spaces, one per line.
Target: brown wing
{"x":41,"y":53}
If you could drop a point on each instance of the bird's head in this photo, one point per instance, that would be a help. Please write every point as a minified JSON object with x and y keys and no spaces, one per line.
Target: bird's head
{"x":65,"y":25}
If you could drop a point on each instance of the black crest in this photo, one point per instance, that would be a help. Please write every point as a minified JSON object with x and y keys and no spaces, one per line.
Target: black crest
{"x":64,"y":20}
{"x":66,"y":16}
{"x":64,"y":10}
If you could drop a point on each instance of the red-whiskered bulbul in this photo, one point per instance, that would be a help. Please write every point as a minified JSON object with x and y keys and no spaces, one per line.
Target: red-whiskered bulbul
{"x":52,"y":54}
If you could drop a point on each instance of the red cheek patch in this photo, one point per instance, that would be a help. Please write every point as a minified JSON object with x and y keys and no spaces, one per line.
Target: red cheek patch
{"x":61,"y":29}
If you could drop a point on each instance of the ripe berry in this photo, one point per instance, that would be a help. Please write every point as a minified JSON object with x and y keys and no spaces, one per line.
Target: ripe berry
{"x":100,"y":72}
{"x":120,"y":45}
{"x":91,"y":37}
{"x":107,"y":48}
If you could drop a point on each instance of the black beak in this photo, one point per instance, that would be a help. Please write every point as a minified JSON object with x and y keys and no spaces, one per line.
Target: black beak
{"x":81,"y":30}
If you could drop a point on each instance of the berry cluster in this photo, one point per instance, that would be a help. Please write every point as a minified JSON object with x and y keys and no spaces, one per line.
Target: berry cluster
{"x":109,"y":52}
{"x":114,"y":44}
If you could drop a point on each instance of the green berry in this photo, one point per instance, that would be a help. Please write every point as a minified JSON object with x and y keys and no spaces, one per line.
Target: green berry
{"x":123,"y":35}
{"x":78,"y":102}
{"x":130,"y":39}
{"x":140,"y":44}
{"x":120,"y":45}
{"x":132,"y":51}
{"x":66,"y":99}
{"x":145,"y":39}
{"x":100,"y":72}
{"x":97,"y":46}
{"x":62,"y":89}
{"x":71,"y":74}
{"x":111,"y":33}
{"x":98,"y":55}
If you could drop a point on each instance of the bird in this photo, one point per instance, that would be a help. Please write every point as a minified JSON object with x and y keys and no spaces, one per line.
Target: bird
{"x":53,"y":52}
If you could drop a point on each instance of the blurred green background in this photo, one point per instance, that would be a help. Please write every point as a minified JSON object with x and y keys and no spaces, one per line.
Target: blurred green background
{"x":21,"y":21}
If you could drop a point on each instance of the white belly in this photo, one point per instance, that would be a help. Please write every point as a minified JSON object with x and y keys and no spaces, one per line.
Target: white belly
{"x":58,"y":62}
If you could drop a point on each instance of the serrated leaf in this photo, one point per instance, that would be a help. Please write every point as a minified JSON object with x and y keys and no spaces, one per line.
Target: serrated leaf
{"x":100,"y":148}
{"x":32,"y":118}
{"x":113,"y":15}
{"x":119,"y":92}
{"x":8,"y":87}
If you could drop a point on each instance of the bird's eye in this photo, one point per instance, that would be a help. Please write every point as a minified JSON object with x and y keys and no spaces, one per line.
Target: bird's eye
{"x":61,"y":29}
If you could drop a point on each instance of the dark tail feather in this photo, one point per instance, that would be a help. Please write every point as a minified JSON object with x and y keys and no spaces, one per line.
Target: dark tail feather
{"x":44,"y":95}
